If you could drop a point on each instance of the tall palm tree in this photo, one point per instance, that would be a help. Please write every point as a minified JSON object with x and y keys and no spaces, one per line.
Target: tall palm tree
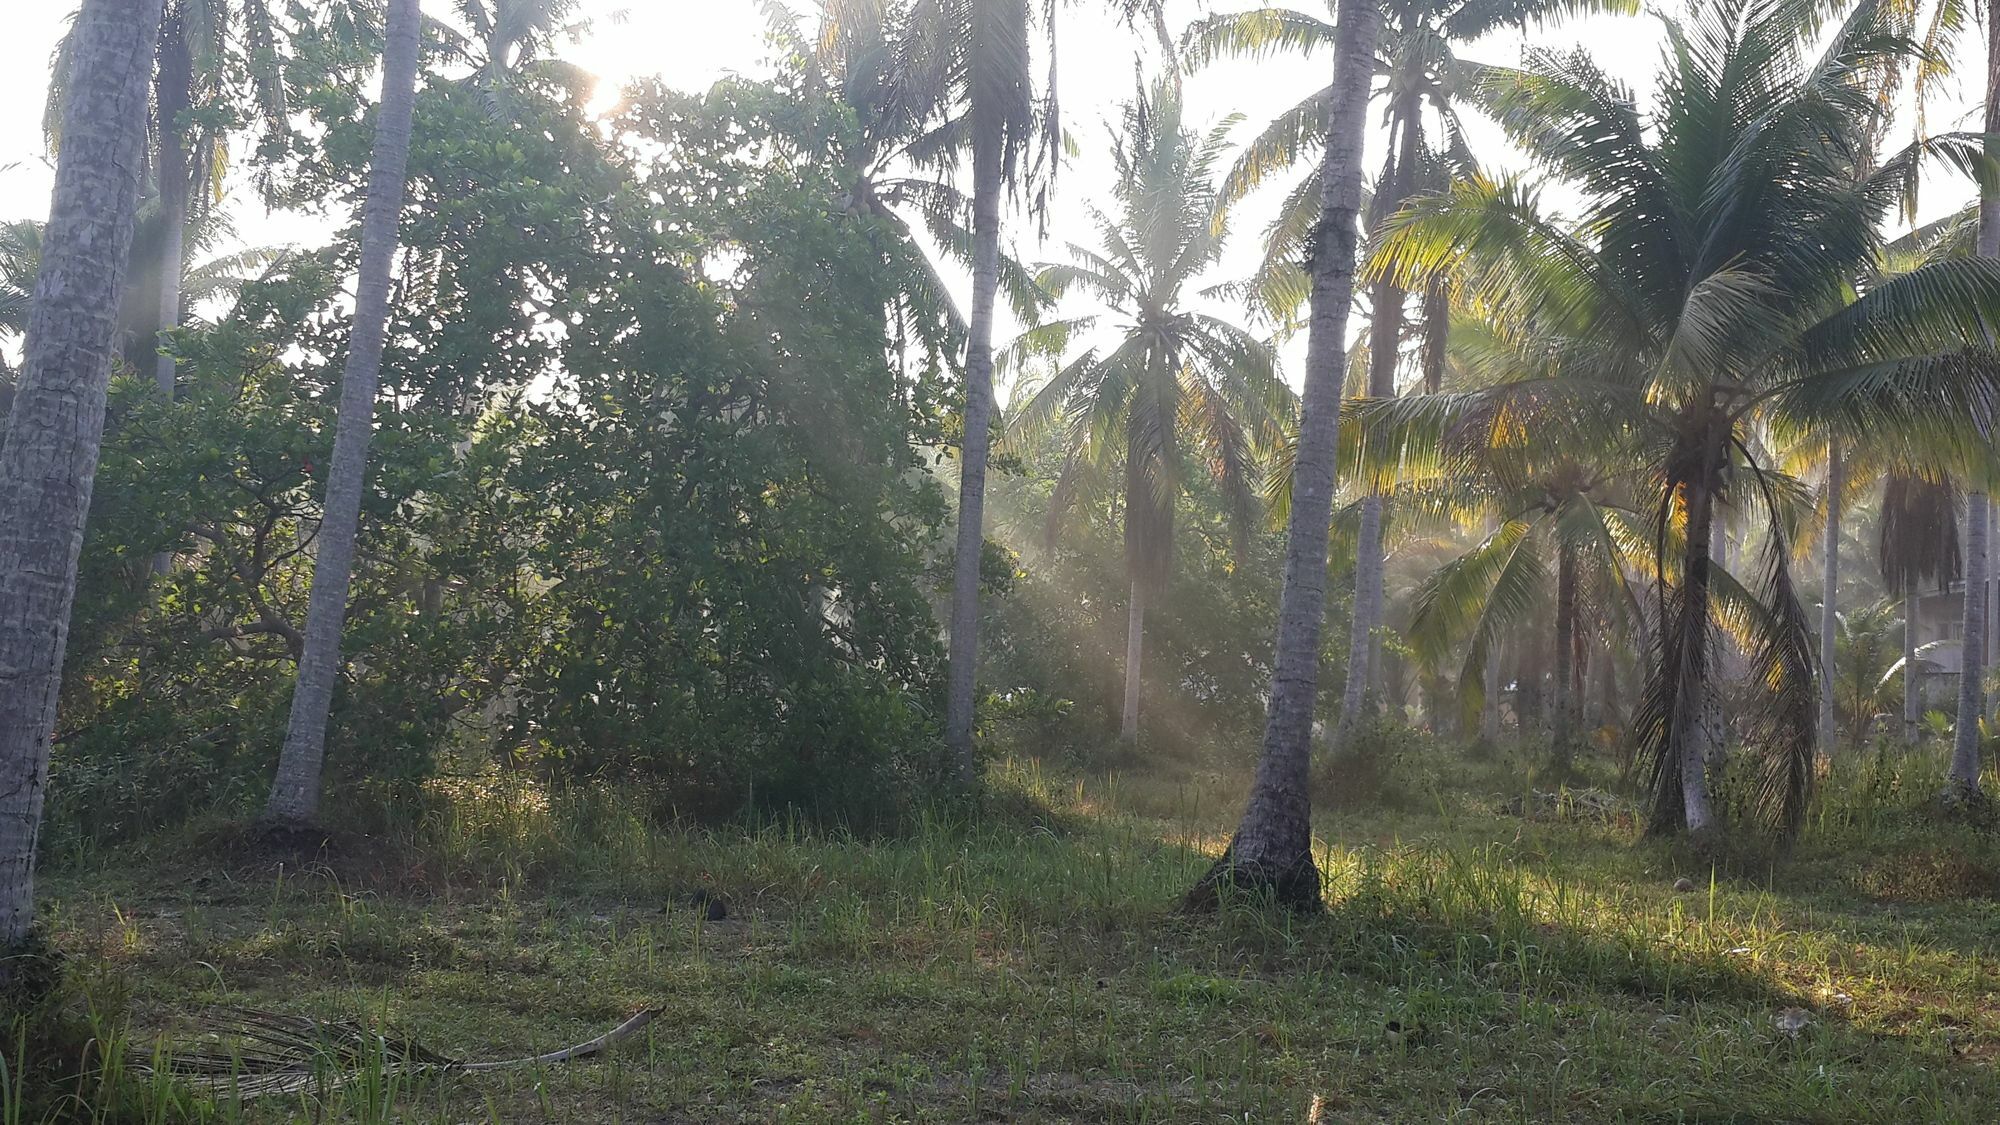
{"x":295,"y":790}
{"x":1422,"y":74}
{"x":1697,"y":289}
{"x":1175,"y":378}
{"x":48,"y":461}
{"x":1271,"y":851}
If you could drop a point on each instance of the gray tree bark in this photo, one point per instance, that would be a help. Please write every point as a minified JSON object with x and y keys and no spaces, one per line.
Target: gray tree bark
{"x":295,"y":791}
{"x":1272,"y":848}
{"x":1829,"y":617}
{"x":963,"y":673}
{"x":48,"y":463}
{"x":1135,"y":644}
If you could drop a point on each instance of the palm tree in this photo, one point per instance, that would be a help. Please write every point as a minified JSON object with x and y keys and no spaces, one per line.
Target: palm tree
{"x":1417,"y":57}
{"x":1696,"y":289}
{"x":295,"y":790}
{"x":1561,"y":515}
{"x":1918,"y":544}
{"x":987,"y":43}
{"x":1175,"y":378}
{"x":1271,"y":851}
{"x":1864,"y":667}
{"x":48,"y":461}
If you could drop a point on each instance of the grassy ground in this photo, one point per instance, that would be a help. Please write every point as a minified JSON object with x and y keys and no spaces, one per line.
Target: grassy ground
{"x":1030,"y":965}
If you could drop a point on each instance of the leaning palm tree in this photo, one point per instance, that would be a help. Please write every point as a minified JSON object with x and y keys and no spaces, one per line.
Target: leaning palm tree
{"x":49,"y":459}
{"x":1422,"y":76}
{"x":1271,"y":851}
{"x":1177,"y":381}
{"x":295,"y":790}
{"x":1717,"y":277}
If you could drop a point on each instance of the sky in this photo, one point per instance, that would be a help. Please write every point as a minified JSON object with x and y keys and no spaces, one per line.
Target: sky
{"x":691,"y":43}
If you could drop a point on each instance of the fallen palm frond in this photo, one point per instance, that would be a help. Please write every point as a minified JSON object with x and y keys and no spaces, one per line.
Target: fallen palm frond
{"x":257,"y":1054}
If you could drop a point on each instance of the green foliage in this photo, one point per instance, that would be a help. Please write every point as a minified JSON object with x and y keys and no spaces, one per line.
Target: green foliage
{"x":643,"y":499}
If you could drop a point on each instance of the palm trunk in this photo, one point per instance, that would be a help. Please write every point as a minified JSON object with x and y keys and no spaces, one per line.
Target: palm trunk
{"x":48,"y":464}
{"x":173,"y":176}
{"x":1683,"y":687}
{"x":1357,"y":699}
{"x":295,"y":791}
{"x":1385,"y":335}
{"x":962,"y":680}
{"x":1912,"y":697}
{"x":1829,"y":618}
{"x":1965,"y":759}
{"x":1272,"y":849}
{"x":1489,"y":704}
{"x":1135,"y":643}
{"x":1564,"y":710}
{"x":1437,"y":334}
{"x":1972,"y":653}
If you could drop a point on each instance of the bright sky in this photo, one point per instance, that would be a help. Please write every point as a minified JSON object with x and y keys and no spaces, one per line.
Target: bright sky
{"x":690,"y":43}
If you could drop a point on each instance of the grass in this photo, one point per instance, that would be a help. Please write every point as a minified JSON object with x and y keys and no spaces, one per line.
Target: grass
{"x":1029,"y":965}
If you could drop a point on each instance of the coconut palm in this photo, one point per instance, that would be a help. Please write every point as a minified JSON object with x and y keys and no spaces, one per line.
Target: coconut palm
{"x":979,"y":49}
{"x":1177,"y":381}
{"x":295,"y":790}
{"x":1422,"y":74}
{"x":49,"y":459}
{"x":1563,"y":522}
{"x":1271,"y":851}
{"x":1726,"y":235}
{"x":1865,"y":666}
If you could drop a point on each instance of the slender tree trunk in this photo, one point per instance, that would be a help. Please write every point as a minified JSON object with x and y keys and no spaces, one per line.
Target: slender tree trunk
{"x":1385,"y":336}
{"x":963,"y":675}
{"x":1695,"y":697}
{"x":1563,"y":726}
{"x":1135,"y":643}
{"x":1965,"y":759}
{"x":1489,"y":705}
{"x":172,"y":83}
{"x":48,"y":463}
{"x":295,"y":791}
{"x":1829,"y":617}
{"x":1912,"y":683}
{"x":1687,"y":654}
{"x":173,"y":176}
{"x":1272,"y":848}
{"x":1965,"y":765}
{"x":1356,"y":699}
{"x":1437,"y":334}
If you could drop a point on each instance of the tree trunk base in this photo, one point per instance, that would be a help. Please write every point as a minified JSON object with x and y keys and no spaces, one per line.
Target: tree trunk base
{"x":1966,"y":803}
{"x":1294,"y":886}
{"x":31,"y":973}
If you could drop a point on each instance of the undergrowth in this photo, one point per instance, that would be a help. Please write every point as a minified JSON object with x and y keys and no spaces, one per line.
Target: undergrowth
{"x":1021,"y":959}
